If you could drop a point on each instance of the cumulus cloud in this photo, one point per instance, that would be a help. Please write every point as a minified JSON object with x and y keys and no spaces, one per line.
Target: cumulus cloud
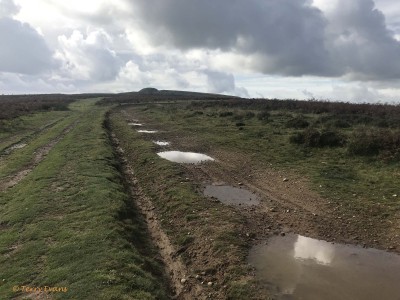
{"x":283,"y":37}
{"x":280,"y":48}
{"x":22,"y":49}
{"x":361,"y":42}
{"x":89,"y":57}
{"x":8,"y":8}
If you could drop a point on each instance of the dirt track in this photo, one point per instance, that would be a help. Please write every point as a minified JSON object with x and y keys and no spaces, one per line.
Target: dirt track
{"x":176,"y":270}
{"x":288,"y":205}
{"x":38,"y":156}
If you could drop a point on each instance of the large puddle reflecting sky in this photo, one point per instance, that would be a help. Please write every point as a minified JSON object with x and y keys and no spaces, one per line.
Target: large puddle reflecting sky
{"x":298,"y":267}
{"x":185,"y":157}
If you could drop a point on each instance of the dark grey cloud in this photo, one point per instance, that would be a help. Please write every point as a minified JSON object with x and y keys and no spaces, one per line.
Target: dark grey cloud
{"x":361,"y":42}
{"x":285,"y":37}
{"x":22,"y":49}
{"x":290,"y":32}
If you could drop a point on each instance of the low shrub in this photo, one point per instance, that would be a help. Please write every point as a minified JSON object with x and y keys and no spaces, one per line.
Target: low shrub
{"x":372,"y":142}
{"x":312,"y":137}
{"x":263,"y":116}
{"x":297,"y":122}
{"x":225,"y":114}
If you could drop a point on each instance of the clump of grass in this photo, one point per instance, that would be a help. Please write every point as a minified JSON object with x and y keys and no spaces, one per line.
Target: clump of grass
{"x":372,"y":142}
{"x":312,"y":137}
{"x":297,"y":122}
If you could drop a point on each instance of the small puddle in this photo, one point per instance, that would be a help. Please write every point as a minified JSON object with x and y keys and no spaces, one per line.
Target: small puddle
{"x":185,"y":157}
{"x":161,"y":143}
{"x":303,"y":268}
{"x":15,"y":147}
{"x":18,"y":146}
{"x":147,"y":131}
{"x":231,"y":195}
{"x":135,"y":124}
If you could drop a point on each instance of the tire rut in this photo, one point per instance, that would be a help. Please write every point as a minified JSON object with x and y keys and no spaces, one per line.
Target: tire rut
{"x":174,"y":267}
{"x":39,"y":155}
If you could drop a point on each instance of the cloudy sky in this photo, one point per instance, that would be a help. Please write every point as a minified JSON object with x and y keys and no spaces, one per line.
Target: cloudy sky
{"x":326,"y":49}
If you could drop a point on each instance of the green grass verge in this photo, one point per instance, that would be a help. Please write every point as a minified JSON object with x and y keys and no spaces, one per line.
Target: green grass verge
{"x":70,"y":223}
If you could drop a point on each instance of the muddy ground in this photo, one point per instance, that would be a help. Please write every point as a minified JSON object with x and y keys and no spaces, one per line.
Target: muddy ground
{"x":288,"y":204}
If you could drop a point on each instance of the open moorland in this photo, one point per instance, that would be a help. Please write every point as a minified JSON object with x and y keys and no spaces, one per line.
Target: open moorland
{"x":90,"y":210}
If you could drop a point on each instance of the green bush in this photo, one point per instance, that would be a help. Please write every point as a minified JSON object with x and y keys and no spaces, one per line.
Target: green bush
{"x":372,"y":142}
{"x":226,"y":114}
{"x":312,"y":137}
{"x":263,"y":116}
{"x":364,"y":142}
{"x":297,"y":122}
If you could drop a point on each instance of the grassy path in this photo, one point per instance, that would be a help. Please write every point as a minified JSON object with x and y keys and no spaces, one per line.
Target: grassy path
{"x":71,"y":223}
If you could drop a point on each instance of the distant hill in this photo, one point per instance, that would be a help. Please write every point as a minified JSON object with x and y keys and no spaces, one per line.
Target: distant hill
{"x":153,"y":94}
{"x":148,"y":91}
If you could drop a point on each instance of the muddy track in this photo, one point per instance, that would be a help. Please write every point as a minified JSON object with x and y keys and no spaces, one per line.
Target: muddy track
{"x":175,"y":269}
{"x":289,"y":204}
{"x":8,"y":150}
{"x":38,"y":156}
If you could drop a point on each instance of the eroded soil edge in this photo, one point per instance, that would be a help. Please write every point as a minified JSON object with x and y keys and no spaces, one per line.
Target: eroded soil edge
{"x":175,"y":269}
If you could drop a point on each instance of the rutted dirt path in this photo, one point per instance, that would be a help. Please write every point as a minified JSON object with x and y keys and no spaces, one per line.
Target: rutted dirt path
{"x":289,"y":204}
{"x":39,"y":155}
{"x":175,"y":269}
{"x":24,"y":140}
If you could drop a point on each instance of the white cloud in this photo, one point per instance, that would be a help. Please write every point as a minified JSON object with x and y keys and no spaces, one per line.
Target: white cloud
{"x":8,"y":8}
{"x":320,"y":47}
{"x":88,"y":57}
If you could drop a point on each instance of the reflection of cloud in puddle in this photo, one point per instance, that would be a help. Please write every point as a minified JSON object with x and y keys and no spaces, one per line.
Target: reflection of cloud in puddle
{"x":231,"y":195}
{"x":160,"y":143}
{"x":304,"y":268}
{"x":147,"y":131}
{"x":320,"y":251}
{"x":184,"y":157}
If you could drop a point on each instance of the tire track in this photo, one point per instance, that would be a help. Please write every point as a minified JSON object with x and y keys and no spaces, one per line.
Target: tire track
{"x":39,"y":155}
{"x":24,"y":140}
{"x":175,"y":269}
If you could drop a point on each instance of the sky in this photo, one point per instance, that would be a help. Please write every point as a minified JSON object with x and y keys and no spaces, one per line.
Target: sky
{"x":337,"y":50}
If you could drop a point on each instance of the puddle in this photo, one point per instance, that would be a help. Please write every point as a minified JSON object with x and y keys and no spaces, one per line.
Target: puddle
{"x":304,"y":268}
{"x":15,"y":147}
{"x":231,"y":195}
{"x":161,"y":143}
{"x":135,"y":124}
{"x":147,"y":131}
{"x":18,"y":146}
{"x":185,"y":157}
